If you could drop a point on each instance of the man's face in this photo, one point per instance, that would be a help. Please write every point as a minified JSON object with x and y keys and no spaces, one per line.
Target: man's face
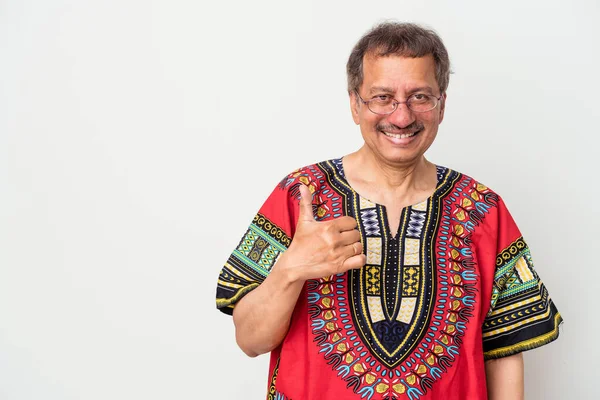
{"x":398,"y":77}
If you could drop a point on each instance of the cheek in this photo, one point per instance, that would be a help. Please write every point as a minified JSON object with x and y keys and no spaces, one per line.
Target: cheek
{"x":430,"y":120}
{"x":368,"y":129}
{"x":369,"y":122}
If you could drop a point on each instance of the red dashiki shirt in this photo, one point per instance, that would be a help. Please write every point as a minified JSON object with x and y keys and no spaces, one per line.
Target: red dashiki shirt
{"x":454,"y":287}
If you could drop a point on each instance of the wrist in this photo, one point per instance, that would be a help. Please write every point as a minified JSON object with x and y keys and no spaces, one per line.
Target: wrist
{"x":286,"y":271}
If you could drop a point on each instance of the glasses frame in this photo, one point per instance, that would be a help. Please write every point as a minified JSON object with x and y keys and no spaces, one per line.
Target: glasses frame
{"x":396,"y":102}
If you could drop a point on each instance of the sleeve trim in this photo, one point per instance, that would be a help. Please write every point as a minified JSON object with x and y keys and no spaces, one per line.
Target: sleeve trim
{"x":514,"y":326}
{"x":230,"y":302}
{"x":514,"y":306}
{"x":526,"y":344}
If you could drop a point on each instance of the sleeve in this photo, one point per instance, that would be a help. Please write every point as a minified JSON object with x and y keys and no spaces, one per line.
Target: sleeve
{"x":521,"y":316}
{"x":267,"y":237}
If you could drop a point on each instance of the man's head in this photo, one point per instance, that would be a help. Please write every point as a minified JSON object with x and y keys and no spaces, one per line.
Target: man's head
{"x":397,"y":79}
{"x":398,"y":39}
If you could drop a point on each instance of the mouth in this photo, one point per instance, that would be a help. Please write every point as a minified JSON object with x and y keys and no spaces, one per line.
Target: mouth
{"x":401,"y":135}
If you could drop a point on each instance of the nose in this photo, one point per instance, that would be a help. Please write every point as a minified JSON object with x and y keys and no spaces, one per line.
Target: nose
{"x":402,"y":116}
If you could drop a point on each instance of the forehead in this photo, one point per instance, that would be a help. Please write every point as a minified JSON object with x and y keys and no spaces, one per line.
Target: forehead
{"x":399,"y":73}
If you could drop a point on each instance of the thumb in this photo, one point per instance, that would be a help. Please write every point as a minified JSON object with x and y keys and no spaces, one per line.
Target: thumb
{"x":306,"y":211}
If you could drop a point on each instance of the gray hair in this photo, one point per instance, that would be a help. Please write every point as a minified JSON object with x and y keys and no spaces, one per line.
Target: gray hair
{"x":401,"y":39}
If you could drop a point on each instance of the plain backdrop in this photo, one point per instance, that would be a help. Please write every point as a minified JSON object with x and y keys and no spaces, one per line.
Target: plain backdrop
{"x":138,"y":139}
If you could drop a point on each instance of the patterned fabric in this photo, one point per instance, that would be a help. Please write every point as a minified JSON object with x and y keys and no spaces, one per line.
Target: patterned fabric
{"x":520,"y":310}
{"x":455,"y":286}
{"x":251,"y":261}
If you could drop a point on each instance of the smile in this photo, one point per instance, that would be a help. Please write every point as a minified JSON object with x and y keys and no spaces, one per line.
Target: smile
{"x":400,"y":136}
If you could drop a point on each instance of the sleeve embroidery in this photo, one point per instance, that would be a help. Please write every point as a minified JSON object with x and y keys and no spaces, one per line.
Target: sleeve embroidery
{"x":522,"y":316}
{"x":251,"y":261}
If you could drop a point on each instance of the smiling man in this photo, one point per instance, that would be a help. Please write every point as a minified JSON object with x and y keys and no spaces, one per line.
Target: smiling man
{"x":381,"y":275}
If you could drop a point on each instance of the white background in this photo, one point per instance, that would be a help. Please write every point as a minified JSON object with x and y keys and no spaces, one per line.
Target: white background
{"x":138,"y":139}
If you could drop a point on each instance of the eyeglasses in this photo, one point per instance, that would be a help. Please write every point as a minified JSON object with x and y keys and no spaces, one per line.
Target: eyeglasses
{"x":385,"y":104}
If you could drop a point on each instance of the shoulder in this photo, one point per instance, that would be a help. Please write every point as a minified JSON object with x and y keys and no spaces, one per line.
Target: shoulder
{"x":318,"y":177}
{"x":312,"y":175}
{"x":473,"y":203}
{"x":469,"y":187}
{"x":480,"y":210}
{"x":280,"y":211}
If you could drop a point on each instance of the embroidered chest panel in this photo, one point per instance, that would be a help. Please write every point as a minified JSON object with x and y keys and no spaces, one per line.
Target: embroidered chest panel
{"x":395,"y":326}
{"x":390,"y":298}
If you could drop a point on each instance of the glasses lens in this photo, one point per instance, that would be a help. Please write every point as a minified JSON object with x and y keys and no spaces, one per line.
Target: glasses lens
{"x":422,"y":103}
{"x":379,"y":106}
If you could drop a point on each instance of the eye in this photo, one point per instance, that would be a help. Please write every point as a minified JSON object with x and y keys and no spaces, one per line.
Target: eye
{"x":382,"y":98}
{"x":419,"y":98}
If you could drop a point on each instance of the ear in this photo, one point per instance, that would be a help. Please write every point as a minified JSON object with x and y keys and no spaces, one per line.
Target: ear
{"x":442,"y":107}
{"x":354,"y":107}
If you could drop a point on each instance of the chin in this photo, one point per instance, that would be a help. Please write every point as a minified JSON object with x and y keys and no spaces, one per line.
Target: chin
{"x":399,"y":156}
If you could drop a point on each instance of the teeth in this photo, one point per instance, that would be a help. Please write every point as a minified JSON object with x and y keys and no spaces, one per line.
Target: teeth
{"x":403,"y":136}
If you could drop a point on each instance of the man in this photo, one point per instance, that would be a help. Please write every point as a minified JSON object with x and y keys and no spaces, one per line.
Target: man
{"x":381,"y":275}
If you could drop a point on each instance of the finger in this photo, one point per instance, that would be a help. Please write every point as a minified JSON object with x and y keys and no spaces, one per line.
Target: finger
{"x":353,"y":249}
{"x":306,"y":210}
{"x":354,"y":262}
{"x":349,"y":237}
{"x":345,"y":223}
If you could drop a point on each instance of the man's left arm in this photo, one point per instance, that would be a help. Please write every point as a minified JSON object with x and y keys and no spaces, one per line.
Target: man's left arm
{"x":521,"y":314}
{"x":505,"y":379}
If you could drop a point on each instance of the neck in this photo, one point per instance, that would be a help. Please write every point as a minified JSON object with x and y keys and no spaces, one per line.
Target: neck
{"x":391,"y":177}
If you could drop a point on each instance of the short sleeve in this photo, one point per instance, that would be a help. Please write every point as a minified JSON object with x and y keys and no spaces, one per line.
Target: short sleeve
{"x":267,"y":237}
{"x":521,"y":316}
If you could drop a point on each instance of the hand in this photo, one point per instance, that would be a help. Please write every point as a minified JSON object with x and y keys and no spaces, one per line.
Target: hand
{"x":321,"y":249}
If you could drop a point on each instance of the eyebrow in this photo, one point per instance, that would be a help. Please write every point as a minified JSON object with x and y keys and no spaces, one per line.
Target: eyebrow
{"x":386,"y":89}
{"x":421,"y":89}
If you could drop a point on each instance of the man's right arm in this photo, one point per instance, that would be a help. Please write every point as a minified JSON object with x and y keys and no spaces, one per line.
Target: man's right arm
{"x":262,"y":317}
{"x":318,"y":249}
